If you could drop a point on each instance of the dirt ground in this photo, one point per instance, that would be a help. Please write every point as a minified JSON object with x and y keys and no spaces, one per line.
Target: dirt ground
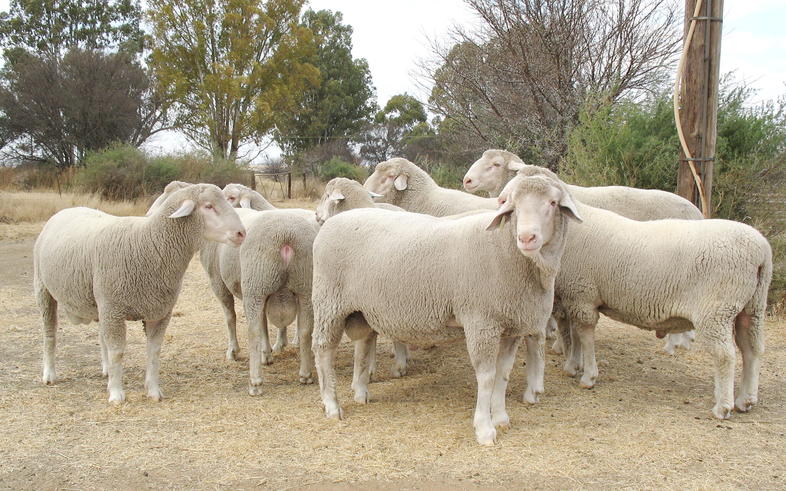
{"x":646,"y":424}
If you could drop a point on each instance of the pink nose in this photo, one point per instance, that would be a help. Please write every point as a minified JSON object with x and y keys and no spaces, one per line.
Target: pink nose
{"x":241,"y":236}
{"x":528,"y":239}
{"x":467,"y":181}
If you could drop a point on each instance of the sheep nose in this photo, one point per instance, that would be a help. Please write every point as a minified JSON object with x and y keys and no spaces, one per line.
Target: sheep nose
{"x":241,"y":235}
{"x":467,"y":180}
{"x":528,"y":239}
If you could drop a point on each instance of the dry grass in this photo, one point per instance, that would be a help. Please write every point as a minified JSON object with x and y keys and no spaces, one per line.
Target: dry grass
{"x":38,"y":206}
{"x":646,"y":425}
{"x":275,"y":191}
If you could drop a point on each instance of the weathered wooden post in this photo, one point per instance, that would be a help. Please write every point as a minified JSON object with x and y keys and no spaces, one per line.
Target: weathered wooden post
{"x":698,"y":98}
{"x":289,"y":185}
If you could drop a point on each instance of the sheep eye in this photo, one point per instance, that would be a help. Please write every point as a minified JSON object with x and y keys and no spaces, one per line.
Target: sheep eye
{"x":496,"y":164}
{"x":553,"y":203}
{"x":209,"y":206}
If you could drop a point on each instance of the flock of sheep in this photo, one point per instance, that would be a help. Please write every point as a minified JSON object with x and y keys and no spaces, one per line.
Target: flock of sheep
{"x":402,"y":257}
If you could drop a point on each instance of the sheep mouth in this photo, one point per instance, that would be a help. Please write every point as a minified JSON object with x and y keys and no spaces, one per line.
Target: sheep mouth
{"x":470,"y":187}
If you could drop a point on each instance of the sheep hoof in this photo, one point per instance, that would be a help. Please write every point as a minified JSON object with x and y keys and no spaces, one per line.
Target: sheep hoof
{"x":278,"y":347}
{"x":571,"y":370}
{"x":117,"y":396}
{"x":361,"y":397}
{"x":335,"y":413}
{"x":255,"y":387}
{"x":307,"y":380}
{"x":669,"y":349}
{"x":501,"y":421}
{"x":721,"y":411}
{"x":267,"y":358}
{"x":155,"y":394}
{"x":587,"y":383}
{"x":531,"y":397}
{"x":744,"y":404}
{"x":398,"y":372}
{"x":49,"y":378}
{"x":487,"y":438}
{"x":232,"y":354}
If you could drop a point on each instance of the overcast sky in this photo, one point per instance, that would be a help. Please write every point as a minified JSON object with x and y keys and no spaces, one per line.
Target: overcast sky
{"x":394,"y":35}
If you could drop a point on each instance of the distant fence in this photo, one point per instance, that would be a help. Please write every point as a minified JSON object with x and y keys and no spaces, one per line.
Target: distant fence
{"x":281,"y":178}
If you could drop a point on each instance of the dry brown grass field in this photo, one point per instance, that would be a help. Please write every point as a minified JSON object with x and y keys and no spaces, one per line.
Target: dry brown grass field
{"x":647,"y":424}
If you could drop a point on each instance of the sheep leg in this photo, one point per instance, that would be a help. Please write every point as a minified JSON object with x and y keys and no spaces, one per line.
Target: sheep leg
{"x":536,"y":365}
{"x":559,"y":346}
{"x":750,"y":339}
{"x":281,"y":340}
{"x":104,"y":355}
{"x":258,"y":349}
{"x":505,"y":361}
{"x":572,"y":343}
{"x":228,"y":305}
{"x":324,"y":356}
{"x":113,"y":331}
{"x":400,"y":358}
{"x":372,"y":361}
{"x":154,"y":330}
{"x":364,"y":346}
{"x":587,"y":339}
{"x":305,"y":327}
{"x":483,"y":350}
{"x":48,"y":307}
{"x":295,"y":339}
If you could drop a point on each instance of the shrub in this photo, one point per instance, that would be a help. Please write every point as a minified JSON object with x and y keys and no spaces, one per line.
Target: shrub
{"x":337,"y":167}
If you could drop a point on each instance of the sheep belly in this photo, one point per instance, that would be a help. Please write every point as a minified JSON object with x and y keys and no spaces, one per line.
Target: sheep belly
{"x":670,"y":325}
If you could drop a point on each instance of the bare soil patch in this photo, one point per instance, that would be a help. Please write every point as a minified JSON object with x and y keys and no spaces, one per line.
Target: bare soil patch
{"x":647,"y":423}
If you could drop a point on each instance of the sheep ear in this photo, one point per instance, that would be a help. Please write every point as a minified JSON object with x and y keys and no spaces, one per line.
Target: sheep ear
{"x":336,"y":196}
{"x":374,"y":195}
{"x":515,"y":165}
{"x":185,"y":209}
{"x":499,"y":219}
{"x":245,"y":202}
{"x":401,"y":182}
{"x":156,"y":204}
{"x":568,"y":207}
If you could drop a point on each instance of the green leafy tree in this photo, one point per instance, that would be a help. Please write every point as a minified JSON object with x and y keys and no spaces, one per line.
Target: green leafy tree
{"x":395,"y":129}
{"x":51,"y":27}
{"x":233,"y":67}
{"x":344,"y":100}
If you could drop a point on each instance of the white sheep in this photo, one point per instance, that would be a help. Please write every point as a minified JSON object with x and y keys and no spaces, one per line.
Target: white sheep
{"x":496,"y":167}
{"x":424,"y":280}
{"x":342,"y":194}
{"x":109,"y":269}
{"x":282,"y":307}
{"x":667,"y":275}
{"x":404,"y":184}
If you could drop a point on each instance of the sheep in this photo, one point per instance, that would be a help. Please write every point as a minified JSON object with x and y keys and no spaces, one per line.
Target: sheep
{"x":109,"y":269}
{"x":282,"y":308}
{"x":342,"y":194}
{"x":496,"y":167}
{"x":425,"y":280}
{"x":404,"y":184}
{"x":668,"y":275}
{"x":271,"y":273}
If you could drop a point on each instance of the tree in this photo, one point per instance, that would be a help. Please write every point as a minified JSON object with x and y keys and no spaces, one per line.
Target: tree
{"x":234,"y":67}
{"x":51,"y":27}
{"x":401,"y":123}
{"x":59,"y":110}
{"x":521,"y":81}
{"x":338,"y":108}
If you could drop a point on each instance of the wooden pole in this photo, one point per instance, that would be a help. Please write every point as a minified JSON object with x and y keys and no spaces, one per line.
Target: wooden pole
{"x":699,"y":98}
{"x":289,"y":185}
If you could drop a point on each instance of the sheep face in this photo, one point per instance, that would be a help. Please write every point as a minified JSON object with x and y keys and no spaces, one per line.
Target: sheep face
{"x":220,"y":222}
{"x":491,"y":171}
{"x":238,"y":195}
{"x":388,"y":176}
{"x":329,"y":205}
{"x":533,"y":203}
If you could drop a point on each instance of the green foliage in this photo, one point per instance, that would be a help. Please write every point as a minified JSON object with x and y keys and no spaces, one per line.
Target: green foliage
{"x":53,"y":26}
{"x":242,"y":67}
{"x":401,"y":123}
{"x":628,"y":144}
{"x":344,"y":99}
{"x":125,"y":172}
{"x":336,"y":167}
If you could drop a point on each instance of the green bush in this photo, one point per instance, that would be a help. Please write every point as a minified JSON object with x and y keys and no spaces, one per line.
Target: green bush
{"x":336,"y":167}
{"x":125,"y":172}
{"x":448,"y":176}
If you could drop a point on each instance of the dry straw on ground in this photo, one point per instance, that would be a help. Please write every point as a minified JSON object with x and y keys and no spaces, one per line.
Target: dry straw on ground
{"x":647,"y":424}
